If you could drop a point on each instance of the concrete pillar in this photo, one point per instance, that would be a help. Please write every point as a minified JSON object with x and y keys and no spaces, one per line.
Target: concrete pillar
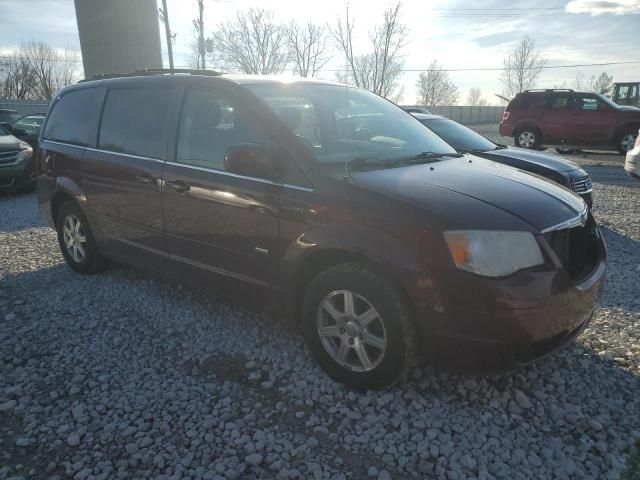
{"x":118,"y":36}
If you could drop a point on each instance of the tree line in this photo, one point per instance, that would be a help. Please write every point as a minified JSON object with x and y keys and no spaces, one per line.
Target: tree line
{"x":37,"y":71}
{"x":254,"y":43}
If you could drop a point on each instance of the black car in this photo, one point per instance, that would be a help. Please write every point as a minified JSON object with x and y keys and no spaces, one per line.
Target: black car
{"x":27,"y":128}
{"x":465,"y":140}
{"x":8,"y":116}
{"x":16,"y":164}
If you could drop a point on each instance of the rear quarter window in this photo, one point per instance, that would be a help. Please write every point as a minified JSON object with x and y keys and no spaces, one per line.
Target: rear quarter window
{"x":135,"y":121}
{"x":74,"y":117}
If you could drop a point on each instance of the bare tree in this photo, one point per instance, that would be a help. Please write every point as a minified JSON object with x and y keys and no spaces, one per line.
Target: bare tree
{"x":522,"y":68}
{"x":37,"y":70}
{"x":52,"y":70}
{"x":379,"y":69}
{"x":435,"y":88}
{"x":603,"y":84}
{"x":192,"y":58}
{"x":580,"y":82}
{"x":308,"y":48}
{"x":475,"y":97}
{"x":252,"y":43}
{"x":16,"y":77}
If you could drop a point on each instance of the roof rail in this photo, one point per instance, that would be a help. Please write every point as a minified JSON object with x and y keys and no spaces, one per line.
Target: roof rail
{"x":549,"y":90}
{"x":153,"y":71}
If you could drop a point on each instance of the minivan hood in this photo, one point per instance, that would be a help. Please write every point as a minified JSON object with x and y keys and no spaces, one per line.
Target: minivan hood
{"x":528,"y":157}
{"x":538,"y":202}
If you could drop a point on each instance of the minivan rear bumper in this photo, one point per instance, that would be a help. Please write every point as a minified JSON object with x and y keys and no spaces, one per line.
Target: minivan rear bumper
{"x":494,"y":325}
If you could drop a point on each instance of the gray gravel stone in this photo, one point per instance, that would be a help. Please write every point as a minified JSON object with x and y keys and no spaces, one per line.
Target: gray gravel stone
{"x":123,"y":375}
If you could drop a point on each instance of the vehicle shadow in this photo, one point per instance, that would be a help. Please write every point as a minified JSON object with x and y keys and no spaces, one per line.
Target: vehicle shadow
{"x":622,"y":288}
{"x":16,"y":216}
{"x":611,"y":175}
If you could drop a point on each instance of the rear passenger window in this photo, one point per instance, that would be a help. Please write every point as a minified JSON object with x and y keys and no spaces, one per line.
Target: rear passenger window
{"x":135,"y":121}
{"x":210,"y":124}
{"x":74,"y":118}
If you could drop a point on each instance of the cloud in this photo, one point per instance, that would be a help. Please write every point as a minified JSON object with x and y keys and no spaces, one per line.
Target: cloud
{"x":597,"y":7}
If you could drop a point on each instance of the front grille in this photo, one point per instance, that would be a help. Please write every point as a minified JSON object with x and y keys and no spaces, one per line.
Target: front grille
{"x":581,"y":184}
{"x":8,"y":158}
{"x":576,"y":249}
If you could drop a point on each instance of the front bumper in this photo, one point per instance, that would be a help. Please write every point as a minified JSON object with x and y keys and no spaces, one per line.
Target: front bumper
{"x":15,"y":176}
{"x":487,"y":325}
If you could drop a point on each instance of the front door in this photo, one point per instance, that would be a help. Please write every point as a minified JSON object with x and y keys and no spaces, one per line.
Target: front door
{"x":593,"y":119}
{"x":121,"y":177}
{"x":219,"y":224}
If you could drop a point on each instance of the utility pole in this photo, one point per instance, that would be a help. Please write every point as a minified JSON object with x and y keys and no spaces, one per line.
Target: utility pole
{"x":164,"y":16}
{"x":201,"y":31}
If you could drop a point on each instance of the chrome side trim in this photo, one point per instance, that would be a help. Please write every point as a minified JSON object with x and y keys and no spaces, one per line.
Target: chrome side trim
{"x":137,"y":245}
{"x":236,"y":175}
{"x":579,"y":220}
{"x":63,"y":144}
{"x":184,"y":165}
{"x":220,"y":271}
{"x":128,"y":155}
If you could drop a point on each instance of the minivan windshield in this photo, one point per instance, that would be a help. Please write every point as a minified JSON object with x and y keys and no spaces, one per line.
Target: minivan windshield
{"x":461,"y":137}
{"x":341,"y":124}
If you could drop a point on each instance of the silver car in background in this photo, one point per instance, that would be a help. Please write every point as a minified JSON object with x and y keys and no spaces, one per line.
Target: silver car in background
{"x":632,"y":163}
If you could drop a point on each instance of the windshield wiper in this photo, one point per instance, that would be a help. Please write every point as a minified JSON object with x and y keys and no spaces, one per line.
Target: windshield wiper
{"x":427,"y":157}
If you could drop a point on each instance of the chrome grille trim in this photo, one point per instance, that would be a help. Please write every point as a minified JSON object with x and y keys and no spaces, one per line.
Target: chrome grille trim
{"x":579,"y":220}
{"x":9,"y":158}
{"x":581,"y":184}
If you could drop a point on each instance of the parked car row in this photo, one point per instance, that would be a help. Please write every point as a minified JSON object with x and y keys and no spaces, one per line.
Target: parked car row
{"x":383,"y":241}
{"x":465,"y":140}
{"x":569,"y":120}
{"x":18,"y":139}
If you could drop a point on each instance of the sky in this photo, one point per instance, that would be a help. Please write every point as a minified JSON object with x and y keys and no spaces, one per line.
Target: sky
{"x":459,"y":34}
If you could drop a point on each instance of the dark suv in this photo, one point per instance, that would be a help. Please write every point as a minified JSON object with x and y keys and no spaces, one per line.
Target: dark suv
{"x":378,"y":236}
{"x":570,"y":120}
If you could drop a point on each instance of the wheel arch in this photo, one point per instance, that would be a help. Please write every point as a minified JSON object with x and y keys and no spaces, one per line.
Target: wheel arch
{"x":385,"y":256}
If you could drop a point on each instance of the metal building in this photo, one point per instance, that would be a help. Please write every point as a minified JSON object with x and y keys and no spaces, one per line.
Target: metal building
{"x":118,"y":36}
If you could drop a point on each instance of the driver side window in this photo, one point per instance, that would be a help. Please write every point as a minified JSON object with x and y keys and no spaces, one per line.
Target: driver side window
{"x":210,"y":124}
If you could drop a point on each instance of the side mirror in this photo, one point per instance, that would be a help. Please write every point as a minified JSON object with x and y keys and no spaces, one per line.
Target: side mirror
{"x":252,"y":160}
{"x":18,"y":131}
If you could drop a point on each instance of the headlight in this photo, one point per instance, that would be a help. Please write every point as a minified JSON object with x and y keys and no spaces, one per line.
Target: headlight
{"x":25,"y":152}
{"x":493,"y":253}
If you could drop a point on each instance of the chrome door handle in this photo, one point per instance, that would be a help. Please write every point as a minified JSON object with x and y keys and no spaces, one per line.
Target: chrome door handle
{"x":177,"y":185}
{"x":146,"y":179}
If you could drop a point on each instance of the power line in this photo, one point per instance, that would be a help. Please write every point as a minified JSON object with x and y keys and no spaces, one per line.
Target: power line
{"x":489,"y":69}
{"x":486,"y":69}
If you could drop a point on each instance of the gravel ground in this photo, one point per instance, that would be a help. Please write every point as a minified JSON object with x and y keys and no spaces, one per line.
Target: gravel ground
{"x":123,"y":376}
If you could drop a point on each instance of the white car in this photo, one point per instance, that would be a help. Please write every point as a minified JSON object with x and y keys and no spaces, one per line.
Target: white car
{"x":632,"y":164}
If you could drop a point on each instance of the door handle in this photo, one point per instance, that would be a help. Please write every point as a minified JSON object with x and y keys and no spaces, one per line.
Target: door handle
{"x":177,"y":185}
{"x":146,"y":179}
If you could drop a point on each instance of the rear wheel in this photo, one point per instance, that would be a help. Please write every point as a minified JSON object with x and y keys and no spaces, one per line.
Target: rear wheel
{"x":626,"y":140}
{"x":528,"y":138}
{"x":77,"y":243}
{"x":358,"y":327}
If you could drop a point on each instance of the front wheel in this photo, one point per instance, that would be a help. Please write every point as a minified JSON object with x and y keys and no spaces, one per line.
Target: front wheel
{"x":77,"y":243}
{"x":528,"y":138}
{"x":358,"y":327}
{"x":626,"y":141}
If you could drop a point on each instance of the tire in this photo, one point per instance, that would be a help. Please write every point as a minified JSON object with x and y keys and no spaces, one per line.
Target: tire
{"x":567,"y":151}
{"x":83,"y":255}
{"x":528,"y":138}
{"x":389,"y":350}
{"x":625,"y":141}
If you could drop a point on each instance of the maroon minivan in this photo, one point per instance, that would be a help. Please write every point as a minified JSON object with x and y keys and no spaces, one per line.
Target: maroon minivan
{"x":569,"y":120}
{"x":382,"y":241}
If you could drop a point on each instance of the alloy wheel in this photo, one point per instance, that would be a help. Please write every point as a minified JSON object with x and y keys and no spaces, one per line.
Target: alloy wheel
{"x":351,"y":331}
{"x":75,"y":238}
{"x":527,"y":139}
